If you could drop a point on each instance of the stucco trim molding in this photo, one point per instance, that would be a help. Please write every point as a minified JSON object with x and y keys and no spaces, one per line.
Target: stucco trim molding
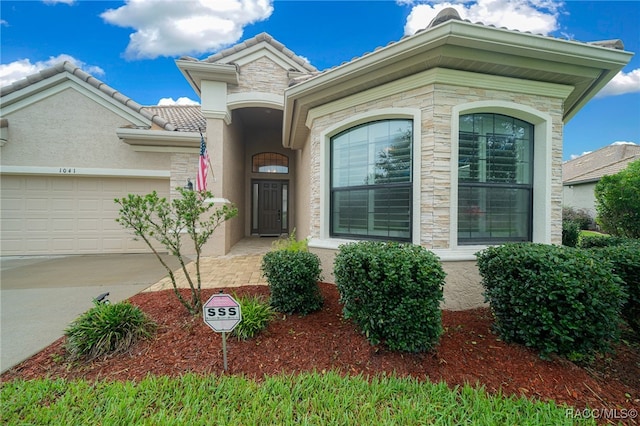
{"x":442,"y":76}
{"x":69,"y":171}
{"x":254,"y":99}
{"x":160,"y":140}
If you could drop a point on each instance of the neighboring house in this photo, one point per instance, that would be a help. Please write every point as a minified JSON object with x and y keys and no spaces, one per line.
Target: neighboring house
{"x":450,"y":138}
{"x":580,"y":175}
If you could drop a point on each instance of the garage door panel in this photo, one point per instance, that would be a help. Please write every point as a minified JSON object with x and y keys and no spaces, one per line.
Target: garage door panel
{"x":34,"y":225}
{"x":77,"y":217}
{"x":92,"y":206}
{"x":63,"y":185}
{"x":63,"y":225}
{"x":35,"y":183}
{"x":38,"y":204}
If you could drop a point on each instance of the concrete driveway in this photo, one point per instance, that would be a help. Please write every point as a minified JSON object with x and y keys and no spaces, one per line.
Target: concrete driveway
{"x":40,"y":296}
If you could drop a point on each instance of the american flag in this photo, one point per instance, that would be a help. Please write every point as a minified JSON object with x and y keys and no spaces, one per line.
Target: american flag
{"x":203,"y":166}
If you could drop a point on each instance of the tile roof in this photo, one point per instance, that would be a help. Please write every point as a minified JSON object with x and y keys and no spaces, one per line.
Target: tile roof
{"x":594,"y":165}
{"x":443,"y":16}
{"x":262,"y":37}
{"x":185,"y":118}
{"x":72,"y":69}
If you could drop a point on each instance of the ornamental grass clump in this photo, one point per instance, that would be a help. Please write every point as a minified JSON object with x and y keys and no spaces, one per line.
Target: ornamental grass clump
{"x":256,"y":315}
{"x":392,"y":292}
{"x":555,"y":299}
{"x":107,"y":329}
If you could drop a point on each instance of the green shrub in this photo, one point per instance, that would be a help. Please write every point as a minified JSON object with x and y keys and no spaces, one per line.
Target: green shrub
{"x":593,"y":241}
{"x":293,"y":280}
{"x":618,"y":202}
{"x":570,"y":233}
{"x":625,"y":259}
{"x":392,"y":292}
{"x":256,"y":315}
{"x":554,"y":299}
{"x":107,"y":329}
{"x":579,"y":216}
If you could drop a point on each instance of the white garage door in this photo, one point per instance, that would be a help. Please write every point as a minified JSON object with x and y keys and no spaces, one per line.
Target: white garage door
{"x":68,"y":214}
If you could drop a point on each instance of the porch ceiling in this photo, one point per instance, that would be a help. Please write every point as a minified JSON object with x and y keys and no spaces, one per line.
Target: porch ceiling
{"x":259,"y":117}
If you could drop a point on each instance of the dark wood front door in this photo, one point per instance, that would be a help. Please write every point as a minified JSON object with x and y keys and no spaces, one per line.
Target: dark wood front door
{"x":270,"y":207}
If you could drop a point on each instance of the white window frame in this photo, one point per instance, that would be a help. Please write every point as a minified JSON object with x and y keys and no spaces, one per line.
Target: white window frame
{"x":325,"y":240}
{"x":542,"y":169}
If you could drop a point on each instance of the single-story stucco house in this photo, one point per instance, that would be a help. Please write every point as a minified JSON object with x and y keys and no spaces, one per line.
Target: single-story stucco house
{"x":450,"y":138}
{"x":580,"y":175}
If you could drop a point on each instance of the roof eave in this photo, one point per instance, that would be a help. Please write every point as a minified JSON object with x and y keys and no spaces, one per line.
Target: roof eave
{"x":158,"y":138}
{"x":196,"y":71}
{"x":365,"y":72}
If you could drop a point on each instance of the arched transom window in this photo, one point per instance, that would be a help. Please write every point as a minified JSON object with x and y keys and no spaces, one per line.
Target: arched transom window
{"x":270,"y":162}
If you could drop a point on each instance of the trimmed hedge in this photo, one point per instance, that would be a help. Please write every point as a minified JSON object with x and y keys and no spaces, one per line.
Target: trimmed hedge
{"x":625,"y":259}
{"x":593,"y":241}
{"x":554,"y":299}
{"x":392,"y":292}
{"x":293,"y":280}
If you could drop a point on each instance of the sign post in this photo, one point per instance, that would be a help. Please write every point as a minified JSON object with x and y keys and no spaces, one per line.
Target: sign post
{"x":222,"y":313}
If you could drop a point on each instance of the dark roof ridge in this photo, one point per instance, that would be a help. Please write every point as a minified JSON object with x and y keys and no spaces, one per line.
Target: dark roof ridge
{"x":76,"y":71}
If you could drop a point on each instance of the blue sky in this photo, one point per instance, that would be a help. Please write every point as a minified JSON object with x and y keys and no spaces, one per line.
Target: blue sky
{"x":132,"y":45}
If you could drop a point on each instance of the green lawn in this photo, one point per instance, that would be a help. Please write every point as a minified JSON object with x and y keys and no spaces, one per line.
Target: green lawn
{"x":305,"y":399}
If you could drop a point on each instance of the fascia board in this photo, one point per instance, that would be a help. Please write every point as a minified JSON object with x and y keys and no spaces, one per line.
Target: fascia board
{"x":195,"y":72}
{"x":63,"y":81}
{"x":536,"y":46}
{"x":159,"y":138}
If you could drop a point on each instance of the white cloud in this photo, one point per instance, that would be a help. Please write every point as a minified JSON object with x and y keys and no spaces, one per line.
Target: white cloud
{"x":536,"y":16}
{"x":69,"y":2}
{"x":4,"y":23}
{"x":621,"y":84}
{"x":181,"y":101}
{"x":14,"y":71}
{"x":171,"y":28}
{"x":574,"y":156}
{"x":623,"y":143}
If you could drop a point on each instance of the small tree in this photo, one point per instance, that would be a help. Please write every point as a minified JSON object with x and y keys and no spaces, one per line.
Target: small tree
{"x":153,"y":218}
{"x":618,"y":202}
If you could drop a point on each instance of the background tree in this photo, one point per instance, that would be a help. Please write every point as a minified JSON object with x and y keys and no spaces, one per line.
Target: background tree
{"x":151,"y":218}
{"x":618,"y":202}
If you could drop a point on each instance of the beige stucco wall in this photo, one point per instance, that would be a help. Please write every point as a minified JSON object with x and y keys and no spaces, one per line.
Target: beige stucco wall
{"x":71,"y":130}
{"x":302,"y":199}
{"x":580,"y":196}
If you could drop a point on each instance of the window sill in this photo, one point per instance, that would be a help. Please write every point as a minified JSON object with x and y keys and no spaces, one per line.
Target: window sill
{"x":459,"y":254}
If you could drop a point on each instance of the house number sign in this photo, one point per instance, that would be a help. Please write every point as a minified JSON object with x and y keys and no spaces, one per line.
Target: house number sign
{"x":67,"y":170}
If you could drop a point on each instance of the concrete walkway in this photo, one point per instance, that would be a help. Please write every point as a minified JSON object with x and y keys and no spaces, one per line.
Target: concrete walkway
{"x":242,"y":266}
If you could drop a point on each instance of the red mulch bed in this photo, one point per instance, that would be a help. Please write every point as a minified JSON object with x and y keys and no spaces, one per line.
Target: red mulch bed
{"x":468,"y":352}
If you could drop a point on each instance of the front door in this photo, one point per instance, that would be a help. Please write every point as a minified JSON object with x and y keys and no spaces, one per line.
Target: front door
{"x":270,"y":207}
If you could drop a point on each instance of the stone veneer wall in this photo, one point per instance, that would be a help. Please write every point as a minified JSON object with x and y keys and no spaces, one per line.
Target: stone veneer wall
{"x":462,"y":289}
{"x":261,"y":75}
{"x":436,"y":102}
{"x":183,"y":166}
